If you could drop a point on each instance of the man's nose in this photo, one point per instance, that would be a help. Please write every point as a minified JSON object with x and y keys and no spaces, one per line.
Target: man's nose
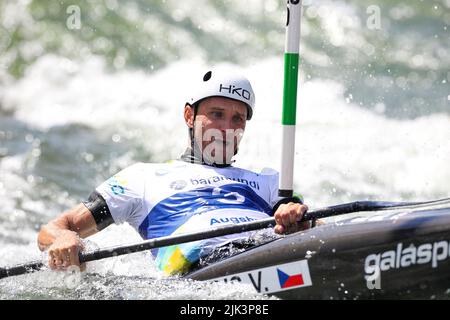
{"x":225,"y":124}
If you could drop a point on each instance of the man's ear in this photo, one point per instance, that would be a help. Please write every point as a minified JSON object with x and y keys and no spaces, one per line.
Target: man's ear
{"x":189,"y":115}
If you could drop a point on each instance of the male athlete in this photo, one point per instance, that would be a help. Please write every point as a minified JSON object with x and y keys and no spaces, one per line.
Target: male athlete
{"x":199,"y":191}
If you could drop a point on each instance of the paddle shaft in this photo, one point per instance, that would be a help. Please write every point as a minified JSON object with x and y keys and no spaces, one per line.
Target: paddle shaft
{"x":147,"y":245}
{"x":216,"y":232}
{"x":288,"y":120}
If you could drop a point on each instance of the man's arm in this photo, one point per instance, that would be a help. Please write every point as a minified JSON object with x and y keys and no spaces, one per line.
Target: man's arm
{"x":62,"y":236}
{"x":78,"y":220}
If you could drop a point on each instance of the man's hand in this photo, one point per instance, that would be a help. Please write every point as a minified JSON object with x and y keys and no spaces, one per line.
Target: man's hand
{"x":64,"y":251}
{"x":287,"y":217}
{"x":62,"y":237}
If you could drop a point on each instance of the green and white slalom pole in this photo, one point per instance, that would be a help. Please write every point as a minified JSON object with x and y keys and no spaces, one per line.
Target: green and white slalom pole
{"x":291,"y":59}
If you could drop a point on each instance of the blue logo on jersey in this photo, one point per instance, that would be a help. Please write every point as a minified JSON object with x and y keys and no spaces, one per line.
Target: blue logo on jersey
{"x":116,"y":189}
{"x":116,"y":183}
{"x":215,"y":179}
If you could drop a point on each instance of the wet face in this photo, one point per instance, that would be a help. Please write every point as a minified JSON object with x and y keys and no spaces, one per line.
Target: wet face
{"x":219,"y":126}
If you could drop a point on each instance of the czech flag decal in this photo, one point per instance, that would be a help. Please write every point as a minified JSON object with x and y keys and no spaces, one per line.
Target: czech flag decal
{"x":287,"y":281}
{"x":276,"y":278}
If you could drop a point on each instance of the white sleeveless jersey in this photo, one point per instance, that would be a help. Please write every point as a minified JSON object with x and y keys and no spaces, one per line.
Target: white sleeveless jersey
{"x":179,"y":197}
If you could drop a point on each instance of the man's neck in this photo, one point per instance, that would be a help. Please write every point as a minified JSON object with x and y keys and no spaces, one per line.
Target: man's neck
{"x":194,"y":155}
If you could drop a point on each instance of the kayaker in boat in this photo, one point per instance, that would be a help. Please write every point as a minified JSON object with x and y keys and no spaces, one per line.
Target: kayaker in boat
{"x":202,"y":189}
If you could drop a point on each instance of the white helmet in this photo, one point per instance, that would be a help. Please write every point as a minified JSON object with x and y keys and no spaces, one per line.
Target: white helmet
{"x":224,"y":83}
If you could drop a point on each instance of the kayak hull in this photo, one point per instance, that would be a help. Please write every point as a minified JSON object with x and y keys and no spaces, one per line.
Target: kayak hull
{"x":380,"y":255}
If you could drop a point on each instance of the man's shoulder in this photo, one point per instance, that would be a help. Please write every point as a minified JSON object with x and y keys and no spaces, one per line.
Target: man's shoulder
{"x":258,"y":172}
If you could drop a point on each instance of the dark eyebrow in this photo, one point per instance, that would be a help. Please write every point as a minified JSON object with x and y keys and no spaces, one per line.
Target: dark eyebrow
{"x":217,"y":109}
{"x":242,"y":114}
